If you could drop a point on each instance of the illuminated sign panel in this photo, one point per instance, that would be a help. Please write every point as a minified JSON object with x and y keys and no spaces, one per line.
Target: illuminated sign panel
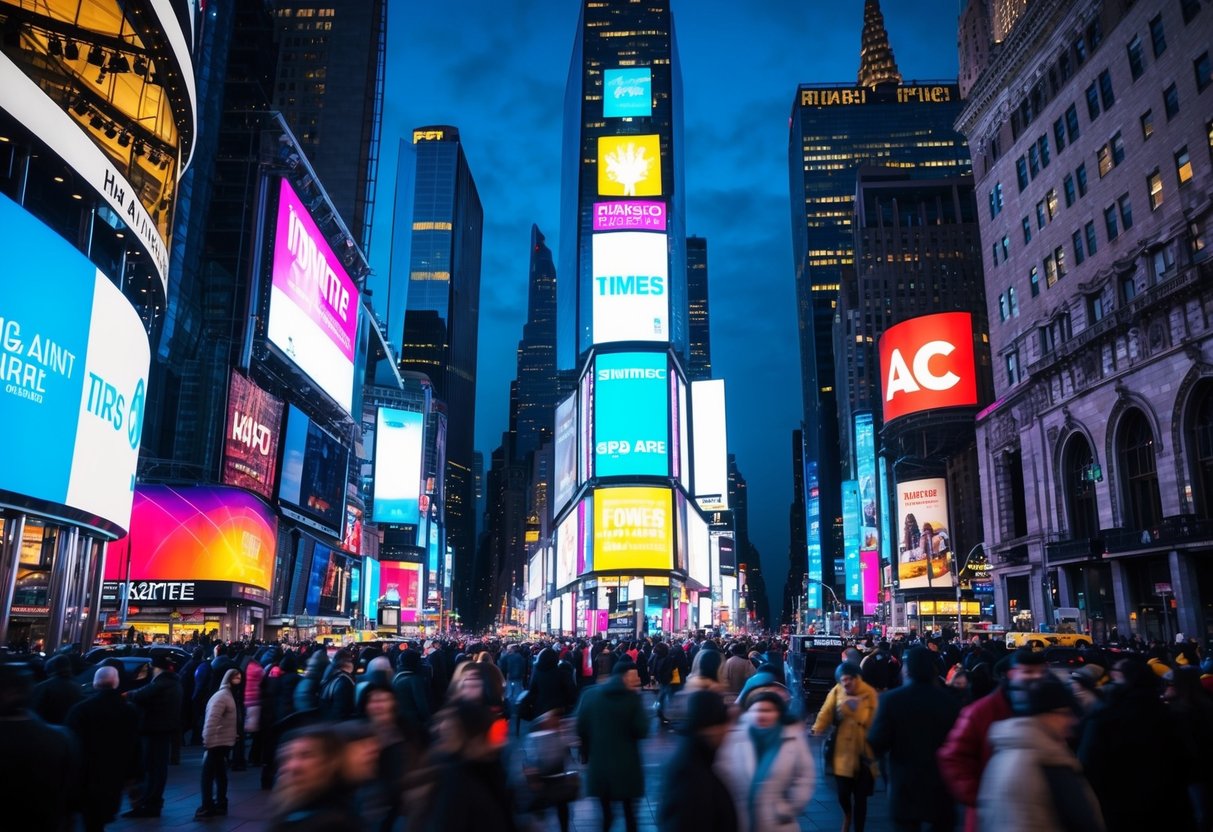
{"x":314,"y":473}
{"x":630,"y":215}
{"x":250,"y":446}
{"x":927,"y":363}
{"x":633,"y":529}
{"x":923,"y":558}
{"x":850,"y":540}
{"x":934,"y":94}
{"x":399,"y":440}
{"x":630,"y":287}
{"x":865,"y":469}
{"x":699,"y":545}
{"x":710,"y":445}
{"x":566,"y":550}
{"x":631,"y":414}
{"x":400,"y":586}
{"x":869,"y":569}
{"x":585,"y":459}
{"x":812,"y":505}
{"x":629,"y":165}
{"x":627,"y":92}
{"x":565,"y":473}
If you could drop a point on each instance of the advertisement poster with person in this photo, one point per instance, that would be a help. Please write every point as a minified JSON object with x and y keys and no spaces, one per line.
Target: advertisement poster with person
{"x":924,"y":550}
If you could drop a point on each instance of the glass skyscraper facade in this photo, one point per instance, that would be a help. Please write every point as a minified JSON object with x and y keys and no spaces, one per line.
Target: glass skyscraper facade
{"x":699,"y":363}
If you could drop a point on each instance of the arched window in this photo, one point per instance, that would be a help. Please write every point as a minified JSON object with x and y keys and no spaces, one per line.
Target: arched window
{"x":1138,"y":471}
{"x":1081,"y":509}
{"x":1200,"y":444}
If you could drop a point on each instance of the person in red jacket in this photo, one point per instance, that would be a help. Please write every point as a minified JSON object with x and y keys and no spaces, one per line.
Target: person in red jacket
{"x":964,"y":754}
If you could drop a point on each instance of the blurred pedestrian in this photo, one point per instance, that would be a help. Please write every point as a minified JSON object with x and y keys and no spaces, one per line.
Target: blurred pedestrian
{"x":694,"y":798}
{"x":159,"y":706}
{"x":107,"y":734}
{"x":411,"y":688}
{"x":767,"y":765}
{"x":55,"y":696}
{"x":850,"y":708}
{"x":470,"y":792}
{"x":307,"y":793}
{"x":611,"y":722}
{"x":219,"y":733}
{"x":551,"y":781}
{"x":39,"y":763}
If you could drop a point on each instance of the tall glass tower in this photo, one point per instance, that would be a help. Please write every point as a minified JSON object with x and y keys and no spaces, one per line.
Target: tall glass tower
{"x":537,"y":382}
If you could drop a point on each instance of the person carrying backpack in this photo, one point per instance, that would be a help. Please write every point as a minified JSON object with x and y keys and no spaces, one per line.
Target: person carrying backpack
{"x":337,"y":701}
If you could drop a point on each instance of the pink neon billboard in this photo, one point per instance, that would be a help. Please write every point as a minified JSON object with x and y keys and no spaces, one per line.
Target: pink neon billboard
{"x":630,"y":215}
{"x":869,"y":578}
{"x":313,"y":316}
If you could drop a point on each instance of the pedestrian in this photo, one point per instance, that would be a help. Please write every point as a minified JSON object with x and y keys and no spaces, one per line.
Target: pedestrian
{"x":53,"y":697}
{"x":1033,"y":782}
{"x":201,"y":693}
{"x":159,"y":707}
{"x":307,"y":692}
{"x":337,"y":694}
{"x":411,"y":688}
{"x":737,"y":669}
{"x":551,"y":782}
{"x":513,"y":666}
{"x":694,"y":798}
{"x":39,"y":763}
{"x":106,"y":729}
{"x":551,"y":689}
{"x":850,"y":707}
{"x":219,"y":733}
{"x":308,"y":792}
{"x":767,"y":765}
{"x":611,"y":722}
{"x":1187,"y":700}
{"x":254,"y":675}
{"x":912,"y":721}
{"x":377,"y":706}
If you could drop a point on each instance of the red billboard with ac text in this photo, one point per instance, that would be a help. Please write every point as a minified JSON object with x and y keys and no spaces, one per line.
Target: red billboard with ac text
{"x":250,"y":447}
{"x":928,"y":363}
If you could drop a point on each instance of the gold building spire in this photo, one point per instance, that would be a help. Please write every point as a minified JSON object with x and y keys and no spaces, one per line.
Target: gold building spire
{"x":876,"y":62}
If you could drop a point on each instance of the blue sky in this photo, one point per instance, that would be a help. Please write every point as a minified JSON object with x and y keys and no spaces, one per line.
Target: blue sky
{"x":496,"y":69}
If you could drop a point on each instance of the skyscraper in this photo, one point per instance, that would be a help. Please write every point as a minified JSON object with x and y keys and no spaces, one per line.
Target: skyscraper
{"x":441,"y":320}
{"x":329,"y":88}
{"x":835,"y":129}
{"x":537,"y":382}
{"x":699,"y":363}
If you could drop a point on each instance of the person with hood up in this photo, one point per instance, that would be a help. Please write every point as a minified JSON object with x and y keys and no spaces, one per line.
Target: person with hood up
{"x":704,"y":675}
{"x":737,"y":669}
{"x":55,"y":696}
{"x":107,"y":732}
{"x":411,"y":687}
{"x":307,"y":692}
{"x":611,"y":722}
{"x":219,"y":732}
{"x":1033,"y":782}
{"x":254,"y":674}
{"x":337,"y":693}
{"x":551,"y":688}
{"x":767,"y":765}
{"x":850,"y":707}
{"x":200,"y":693}
{"x":159,"y":705}
{"x":694,"y":798}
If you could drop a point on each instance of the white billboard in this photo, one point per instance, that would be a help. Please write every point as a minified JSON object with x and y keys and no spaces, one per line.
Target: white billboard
{"x":399,"y":438}
{"x":534,"y":576}
{"x":924,"y":553}
{"x":565,"y":473}
{"x":710,"y":445}
{"x":699,"y":562}
{"x":630,"y":287}
{"x":566,"y":550}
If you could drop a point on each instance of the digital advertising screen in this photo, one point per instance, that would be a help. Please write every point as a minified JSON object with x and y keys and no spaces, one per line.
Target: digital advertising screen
{"x":633,"y":529}
{"x":74,"y":362}
{"x":399,"y":442}
{"x":196,"y":533}
{"x":630,"y":215}
{"x":699,"y":544}
{"x":684,"y":435}
{"x":313,"y":317}
{"x":328,"y":586}
{"x":850,"y":540}
{"x":923,"y":558}
{"x":400,"y":585}
{"x":314,"y":472}
{"x":869,"y":568}
{"x":565,"y":473}
{"x":352,"y":542}
{"x":812,"y":511}
{"x":370,"y":598}
{"x":631,"y":414}
{"x":728,"y":555}
{"x":629,"y":165}
{"x":585,"y":554}
{"x":630,"y":287}
{"x":250,"y":446}
{"x":868,"y":484}
{"x":627,"y":92}
{"x":585,"y":429}
{"x":928,"y":363}
{"x":884,"y":515}
{"x":710,"y":445}
{"x":567,"y":536}
{"x":535,"y":586}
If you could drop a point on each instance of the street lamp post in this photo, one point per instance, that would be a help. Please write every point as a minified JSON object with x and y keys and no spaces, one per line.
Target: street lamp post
{"x":960,"y":568}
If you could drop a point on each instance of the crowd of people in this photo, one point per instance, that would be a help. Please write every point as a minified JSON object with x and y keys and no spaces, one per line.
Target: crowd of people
{"x":489,"y":735}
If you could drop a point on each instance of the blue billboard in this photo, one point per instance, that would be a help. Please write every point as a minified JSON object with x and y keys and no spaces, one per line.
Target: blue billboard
{"x":850,"y":540}
{"x":812,"y":509}
{"x":627,"y":92}
{"x":631,"y":414}
{"x":399,"y":439}
{"x":865,"y":470}
{"x":370,"y":598}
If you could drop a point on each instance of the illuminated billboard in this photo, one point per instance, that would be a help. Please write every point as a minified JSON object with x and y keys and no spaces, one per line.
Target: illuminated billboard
{"x":629,"y":287}
{"x":627,"y":92}
{"x":567,"y":538}
{"x":927,"y":363}
{"x":632,"y":529}
{"x":699,"y":544}
{"x":923,"y":558}
{"x":535,"y":586}
{"x":314,"y":473}
{"x":564,"y":474}
{"x":328,"y":588}
{"x":313,"y":316}
{"x":74,"y":361}
{"x":865,"y":470}
{"x":630,"y":215}
{"x":250,"y":446}
{"x":710,"y":444}
{"x":585,"y":439}
{"x":869,"y":577}
{"x":631,"y":414}
{"x":684,"y":434}
{"x":400,"y":585}
{"x":812,"y":510}
{"x":352,"y":540}
{"x":370,"y":597}
{"x":399,"y":440}
{"x":850,"y":540}
{"x":629,"y":165}
{"x":196,"y":534}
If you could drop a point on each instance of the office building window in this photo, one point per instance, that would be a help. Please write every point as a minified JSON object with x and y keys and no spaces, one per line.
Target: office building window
{"x":1118,"y":149}
{"x":1196,"y":241}
{"x":1027,"y":231}
{"x":1080,"y":52}
{"x":1080,"y":173}
{"x":1092,"y":243}
{"x":1106,"y":96}
{"x":1012,"y":302}
{"x":1059,"y":255}
{"x":1147,"y":124}
{"x":1109,"y":221}
{"x":1021,"y":172}
{"x":1189,"y":8}
{"x":1204,"y":72}
{"x":1034,"y":160}
{"x":1043,"y":144}
{"x":1002,"y":306}
{"x":1104,"y":157}
{"x":1128,"y":288}
{"x":1183,"y":166}
{"x":1051,"y":203}
{"x":1034,"y":281}
{"x":1158,"y":36}
{"x":1048,"y":340}
{"x":1072,"y":122}
{"x":1164,"y":263}
{"x":1170,"y":100}
{"x":1095,"y":310}
{"x":1137,"y":61}
{"x":996,"y":200}
{"x":1059,"y":133}
{"x":1092,"y":102}
{"x":1012,"y":365}
{"x":1126,"y":211}
{"x":1067,"y":185}
{"x":994,"y":254}
{"x":1154,"y":188}
{"x":1040,"y":214}
{"x":1050,"y":271}
{"x":1006,"y":247}
{"x":1076,"y":239}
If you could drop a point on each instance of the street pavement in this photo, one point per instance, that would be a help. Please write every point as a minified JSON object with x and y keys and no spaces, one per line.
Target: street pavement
{"x":249,"y":807}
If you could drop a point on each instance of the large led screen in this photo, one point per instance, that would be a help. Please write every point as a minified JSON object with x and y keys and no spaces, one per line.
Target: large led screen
{"x":812,"y":512}
{"x":629,"y":165}
{"x":314,"y":472}
{"x":865,"y":469}
{"x":73,"y":376}
{"x":567,"y":538}
{"x":197,"y":533}
{"x":629,"y":287}
{"x":585,"y":438}
{"x":699,"y":544}
{"x":630,"y":215}
{"x":328,"y":587}
{"x":684,"y":434}
{"x":370,"y":598}
{"x":928,"y":363}
{"x":400,"y":585}
{"x":313,"y":317}
{"x":627,"y":92}
{"x":923,"y":558}
{"x":633,"y":529}
{"x":631,"y":414}
{"x":565,"y":474}
{"x":850,"y":540}
{"x":535,"y":586}
{"x":710,"y":445}
{"x":869,"y":568}
{"x":399,"y":439}
{"x":250,"y":447}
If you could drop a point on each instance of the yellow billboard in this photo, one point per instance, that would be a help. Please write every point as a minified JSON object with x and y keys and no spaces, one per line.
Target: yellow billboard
{"x":633,"y":529}
{"x":629,"y":165}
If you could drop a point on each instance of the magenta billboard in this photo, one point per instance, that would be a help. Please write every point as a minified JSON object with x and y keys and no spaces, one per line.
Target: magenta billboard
{"x":629,"y":215}
{"x":313,"y":317}
{"x":869,"y":580}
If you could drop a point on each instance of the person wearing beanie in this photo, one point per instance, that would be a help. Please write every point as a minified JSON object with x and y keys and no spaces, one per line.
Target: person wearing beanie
{"x":850,"y":708}
{"x":1034,"y":782}
{"x":963,"y":756}
{"x":737,"y":669}
{"x":913,"y":720}
{"x":767,"y":765}
{"x":611,"y":722}
{"x":694,"y":798}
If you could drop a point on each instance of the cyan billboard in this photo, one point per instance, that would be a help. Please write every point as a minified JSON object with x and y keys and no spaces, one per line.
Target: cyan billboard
{"x":631,"y":414}
{"x":627,"y":92}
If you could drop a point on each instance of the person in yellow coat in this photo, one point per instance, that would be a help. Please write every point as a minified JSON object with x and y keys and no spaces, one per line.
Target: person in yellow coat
{"x":850,"y":707}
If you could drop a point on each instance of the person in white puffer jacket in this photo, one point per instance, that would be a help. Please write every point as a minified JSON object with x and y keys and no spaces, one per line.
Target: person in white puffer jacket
{"x":218,"y":737}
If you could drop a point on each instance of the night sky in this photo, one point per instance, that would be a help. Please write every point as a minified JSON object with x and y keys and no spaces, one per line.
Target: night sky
{"x":496,"y":69}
